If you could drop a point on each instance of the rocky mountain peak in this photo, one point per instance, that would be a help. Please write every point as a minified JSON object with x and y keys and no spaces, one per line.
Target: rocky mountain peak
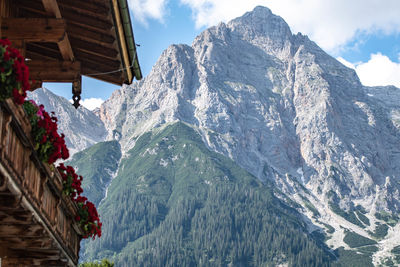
{"x":259,"y":28}
{"x":281,"y":108}
{"x":261,"y":23}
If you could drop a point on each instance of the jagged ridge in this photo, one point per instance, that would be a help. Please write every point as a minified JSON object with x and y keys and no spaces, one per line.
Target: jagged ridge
{"x":281,"y":108}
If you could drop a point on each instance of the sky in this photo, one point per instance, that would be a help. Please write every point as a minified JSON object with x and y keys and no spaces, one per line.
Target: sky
{"x":362,"y":34}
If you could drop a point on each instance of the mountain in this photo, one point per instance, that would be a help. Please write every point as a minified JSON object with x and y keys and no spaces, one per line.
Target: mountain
{"x":82,"y":128}
{"x":388,"y":99}
{"x":98,"y":164}
{"x":277,"y":106}
{"x":176,"y":203}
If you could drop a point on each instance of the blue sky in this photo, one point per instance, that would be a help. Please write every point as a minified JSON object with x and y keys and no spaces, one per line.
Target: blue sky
{"x":362,"y":34}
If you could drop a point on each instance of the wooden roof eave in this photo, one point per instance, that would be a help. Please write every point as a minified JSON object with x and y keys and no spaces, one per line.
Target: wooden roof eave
{"x":126,"y":40}
{"x":98,"y":31}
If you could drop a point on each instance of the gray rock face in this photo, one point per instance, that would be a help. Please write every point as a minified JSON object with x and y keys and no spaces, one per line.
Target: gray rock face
{"x":280,"y":107}
{"x":272,"y":101}
{"x":82,"y":128}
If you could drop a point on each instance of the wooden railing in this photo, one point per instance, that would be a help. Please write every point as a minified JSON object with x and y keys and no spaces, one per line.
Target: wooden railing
{"x":38,"y":207}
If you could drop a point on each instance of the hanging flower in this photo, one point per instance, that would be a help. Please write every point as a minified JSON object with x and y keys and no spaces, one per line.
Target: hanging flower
{"x":71,"y":181}
{"x":14,"y":74}
{"x":49,"y":145}
{"x":88,"y":218}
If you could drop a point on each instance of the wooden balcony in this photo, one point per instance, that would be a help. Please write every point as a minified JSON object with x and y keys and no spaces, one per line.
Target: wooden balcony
{"x":37,"y":226}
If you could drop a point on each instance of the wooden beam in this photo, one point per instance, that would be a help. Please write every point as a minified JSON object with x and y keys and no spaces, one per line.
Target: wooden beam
{"x":51,"y":8}
{"x":27,"y":243}
{"x":54,"y":71}
{"x":114,"y":78}
{"x":90,"y":64}
{"x":98,"y":63}
{"x":95,"y":49}
{"x":64,"y":45}
{"x":50,"y":51}
{"x":21,"y":215}
{"x":5,"y":8}
{"x":41,"y":51}
{"x":79,"y":32}
{"x":88,"y":22}
{"x":34,"y":29}
{"x":10,"y":231}
{"x":98,"y":22}
{"x":86,"y":8}
{"x":66,"y":49}
{"x":125,"y":54}
{"x":100,"y":9}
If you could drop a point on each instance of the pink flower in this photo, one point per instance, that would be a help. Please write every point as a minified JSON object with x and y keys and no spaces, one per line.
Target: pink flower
{"x":40,"y":112}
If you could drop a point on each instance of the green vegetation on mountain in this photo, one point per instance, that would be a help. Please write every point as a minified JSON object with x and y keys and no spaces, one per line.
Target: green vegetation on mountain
{"x":97,"y":164}
{"x":349,"y":216}
{"x":329,"y":229}
{"x":355,"y":240}
{"x":381,"y":231}
{"x":391,"y":219}
{"x":351,"y":258}
{"x":311,"y":207}
{"x":396,"y":250}
{"x":176,"y":203}
{"x":363,"y":218}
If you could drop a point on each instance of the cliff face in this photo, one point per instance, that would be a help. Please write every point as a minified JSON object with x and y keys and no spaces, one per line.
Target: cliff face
{"x":282,"y":109}
{"x":275,"y":103}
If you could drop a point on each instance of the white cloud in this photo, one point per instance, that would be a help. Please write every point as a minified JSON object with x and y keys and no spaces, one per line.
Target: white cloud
{"x":211,"y":12}
{"x":90,"y":103}
{"x":379,"y":70}
{"x":148,"y":9}
{"x":331,"y":23}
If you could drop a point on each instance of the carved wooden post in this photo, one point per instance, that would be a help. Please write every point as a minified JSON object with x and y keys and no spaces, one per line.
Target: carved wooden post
{"x":76,"y":91}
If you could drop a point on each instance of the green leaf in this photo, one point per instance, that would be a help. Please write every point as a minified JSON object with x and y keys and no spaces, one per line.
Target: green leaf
{"x":9,"y":72}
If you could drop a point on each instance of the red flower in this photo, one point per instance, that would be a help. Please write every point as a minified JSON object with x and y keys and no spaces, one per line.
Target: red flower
{"x":6,"y":56}
{"x":45,"y":132}
{"x":19,"y":77}
{"x":18,"y":98}
{"x":44,"y":139}
{"x":49,"y":144}
{"x":5,"y":42}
